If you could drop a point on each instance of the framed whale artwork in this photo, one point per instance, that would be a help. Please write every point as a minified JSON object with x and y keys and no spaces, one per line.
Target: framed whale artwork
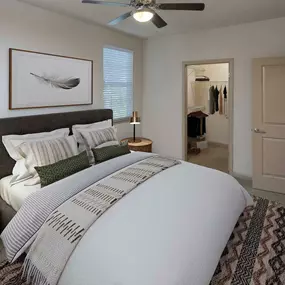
{"x":41,"y":80}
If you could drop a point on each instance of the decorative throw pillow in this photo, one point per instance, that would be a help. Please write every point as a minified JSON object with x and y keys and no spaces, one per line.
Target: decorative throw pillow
{"x":96,"y":138}
{"x":109,"y":152}
{"x":40,"y":153}
{"x":54,"y":172}
{"x":89,"y":127}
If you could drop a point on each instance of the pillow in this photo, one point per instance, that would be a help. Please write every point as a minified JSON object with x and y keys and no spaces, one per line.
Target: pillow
{"x":109,"y":152}
{"x":108,"y":144}
{"x":54,"y":172}
{"x":12,"y":142}
{"x":40,"y":153}
{"x":95,"y":138}
{"x":95,"y":126}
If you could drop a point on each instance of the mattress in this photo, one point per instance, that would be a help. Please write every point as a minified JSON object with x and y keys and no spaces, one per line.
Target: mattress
{"x":15,"y":195}
{"x":171,"y":229}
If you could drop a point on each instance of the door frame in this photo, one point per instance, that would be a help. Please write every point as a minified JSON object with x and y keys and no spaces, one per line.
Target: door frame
{"x":230,"y":61}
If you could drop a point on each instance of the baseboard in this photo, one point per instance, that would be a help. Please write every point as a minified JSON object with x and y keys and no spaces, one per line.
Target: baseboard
{"x":241,"y":176}
{"x":217,"y":144}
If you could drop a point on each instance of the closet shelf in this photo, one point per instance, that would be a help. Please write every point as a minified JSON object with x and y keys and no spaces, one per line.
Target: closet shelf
{"x":195,"y":109}
{"x":210,"y":82}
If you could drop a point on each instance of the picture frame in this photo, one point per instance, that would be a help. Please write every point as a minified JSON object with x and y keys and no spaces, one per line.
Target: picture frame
{"x":43,"y":80}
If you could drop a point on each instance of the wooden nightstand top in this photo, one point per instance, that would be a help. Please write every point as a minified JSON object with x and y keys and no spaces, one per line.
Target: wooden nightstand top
{"x":142,"y":145}
{"x":143,"y":142}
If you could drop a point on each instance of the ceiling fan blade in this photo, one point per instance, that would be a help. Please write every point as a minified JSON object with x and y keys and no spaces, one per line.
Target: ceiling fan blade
{"x":182,"y":6}
{"x":120,"y":19}
{"x":105,"y":3}
{"x":158,"y":21}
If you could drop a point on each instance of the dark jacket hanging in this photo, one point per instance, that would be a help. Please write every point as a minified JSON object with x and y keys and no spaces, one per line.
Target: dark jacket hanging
{"x":225,"y":92}
{"x":196,"y":126}
{"x":216,"y":97}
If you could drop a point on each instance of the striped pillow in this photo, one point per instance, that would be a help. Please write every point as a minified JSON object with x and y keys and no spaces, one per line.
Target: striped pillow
{"x":89,"y":127}
{"x":40,"y":153}
{"x":95,"y":138}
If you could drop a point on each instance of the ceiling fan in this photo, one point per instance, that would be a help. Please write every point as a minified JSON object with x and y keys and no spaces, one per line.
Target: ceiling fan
{"x":145,"y":10}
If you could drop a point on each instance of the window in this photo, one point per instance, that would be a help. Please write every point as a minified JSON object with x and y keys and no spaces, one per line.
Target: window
{"x":118,"y":82}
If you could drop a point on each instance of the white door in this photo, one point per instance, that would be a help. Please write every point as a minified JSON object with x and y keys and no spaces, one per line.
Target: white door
{"x":269,"y":124}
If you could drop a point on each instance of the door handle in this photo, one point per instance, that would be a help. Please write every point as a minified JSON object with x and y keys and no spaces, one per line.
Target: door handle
{"x":258,"y":131}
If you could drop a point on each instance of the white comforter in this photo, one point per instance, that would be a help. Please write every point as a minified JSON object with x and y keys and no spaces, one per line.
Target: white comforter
{"x":171,"y":230}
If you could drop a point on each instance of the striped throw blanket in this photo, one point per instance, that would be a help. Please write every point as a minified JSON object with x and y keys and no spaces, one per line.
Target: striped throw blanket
{"x":64,"y":228}
{"x":254,"y":255}
{"x":23,"y":229}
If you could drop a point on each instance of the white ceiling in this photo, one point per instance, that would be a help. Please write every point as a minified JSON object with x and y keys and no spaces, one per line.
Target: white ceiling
{"x":218,"y":13}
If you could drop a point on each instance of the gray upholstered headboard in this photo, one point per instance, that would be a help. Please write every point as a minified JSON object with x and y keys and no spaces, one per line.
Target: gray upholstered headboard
{"x":43,"y":123}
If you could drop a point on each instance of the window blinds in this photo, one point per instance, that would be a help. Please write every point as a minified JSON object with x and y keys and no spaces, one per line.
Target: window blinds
{"x":118,"y":82}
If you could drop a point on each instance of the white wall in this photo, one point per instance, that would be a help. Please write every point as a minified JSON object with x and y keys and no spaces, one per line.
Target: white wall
{"x":162,"y":99}
{"x":191,"y":76}
{"x":26,"y":27}
{"x":217,"y":124}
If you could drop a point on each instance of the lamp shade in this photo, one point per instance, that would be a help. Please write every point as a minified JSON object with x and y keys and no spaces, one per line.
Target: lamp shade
{"x":143,"y":15}
{"x":135,"y":119}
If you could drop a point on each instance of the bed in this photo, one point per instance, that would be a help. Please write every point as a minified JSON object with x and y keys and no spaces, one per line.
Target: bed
{"x":170,"y":228}
{"x":10,"y":202}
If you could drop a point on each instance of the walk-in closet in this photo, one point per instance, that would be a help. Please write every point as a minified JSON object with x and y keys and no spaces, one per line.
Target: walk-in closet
{"x":208,"y":133}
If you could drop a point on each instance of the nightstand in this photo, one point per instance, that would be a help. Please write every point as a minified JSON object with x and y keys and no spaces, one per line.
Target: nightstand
{"x":141,"y":144}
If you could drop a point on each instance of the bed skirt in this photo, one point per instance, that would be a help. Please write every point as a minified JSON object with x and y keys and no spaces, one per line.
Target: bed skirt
{"x":255,"y":253}
{"x":6,"y":214}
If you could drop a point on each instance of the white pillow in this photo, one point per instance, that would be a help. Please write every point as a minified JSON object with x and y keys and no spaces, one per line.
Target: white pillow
{"x":98,"y":125}
{"x":45,"y":152}
{"x":95,"y":126}
{"x":11,"y":142}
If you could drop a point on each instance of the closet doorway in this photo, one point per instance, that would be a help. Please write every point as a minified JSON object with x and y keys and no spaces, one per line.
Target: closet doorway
{"x":208,"y":113}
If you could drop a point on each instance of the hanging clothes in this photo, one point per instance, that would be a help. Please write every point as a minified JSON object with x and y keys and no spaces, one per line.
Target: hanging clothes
{"x":225,"y":92}
{"x":221,"y":101}
{"x":196,"y":126}
{"x":216,"y":98}
{"x":212,"y":100}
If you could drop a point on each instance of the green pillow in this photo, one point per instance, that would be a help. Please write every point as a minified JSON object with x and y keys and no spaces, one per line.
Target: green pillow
{"x":62,"y":169}
{"x":105,"y":153}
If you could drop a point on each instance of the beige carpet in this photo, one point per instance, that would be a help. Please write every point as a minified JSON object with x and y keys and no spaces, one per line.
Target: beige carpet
{"x":272,"y":196}
{"x":215,"y":156}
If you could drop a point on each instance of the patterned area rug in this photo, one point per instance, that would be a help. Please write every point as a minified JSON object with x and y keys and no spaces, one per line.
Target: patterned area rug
{"x":254,"y":255}
{"x":10,"y":274}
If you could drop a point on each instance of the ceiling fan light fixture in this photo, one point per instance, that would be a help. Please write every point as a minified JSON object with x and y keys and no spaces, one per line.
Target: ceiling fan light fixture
{"x":143,"y":15}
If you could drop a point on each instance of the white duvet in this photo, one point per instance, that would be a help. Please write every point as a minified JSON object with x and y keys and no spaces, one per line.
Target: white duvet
{"x":171,"y":230}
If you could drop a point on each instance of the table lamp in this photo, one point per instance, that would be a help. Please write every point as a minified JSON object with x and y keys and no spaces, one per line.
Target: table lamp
{"x":135,"y":120}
